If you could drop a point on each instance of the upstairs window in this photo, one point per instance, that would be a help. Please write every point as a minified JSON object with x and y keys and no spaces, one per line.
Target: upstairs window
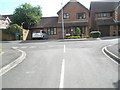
{"x":66,"y":16}
{"x":102,"y":15}
{"x":81,"y":15}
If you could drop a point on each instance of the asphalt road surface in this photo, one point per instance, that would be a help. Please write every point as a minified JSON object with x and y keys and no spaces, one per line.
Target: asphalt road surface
{"x":57,"y":64}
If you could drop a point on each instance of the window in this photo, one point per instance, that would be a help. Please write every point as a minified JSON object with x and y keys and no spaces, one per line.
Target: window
{"x":104,"y":15}
{"x":99,"y":15}
{"x":52,"y":31}
{"x":68,"y":30}
{"x":66,"y":16}
{"x":36,"y":31}
{"x":55,"y":30}
{"x":49,"y":31}
{"x":81,"y":15}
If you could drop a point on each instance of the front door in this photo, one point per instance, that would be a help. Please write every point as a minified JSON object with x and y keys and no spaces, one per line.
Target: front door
{"x":68,"y":31}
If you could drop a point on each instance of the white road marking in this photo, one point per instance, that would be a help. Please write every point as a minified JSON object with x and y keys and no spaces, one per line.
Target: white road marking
{"x":62,"y":74}
{"x":14,"y":47}
{"x":108,"y":56}
{"x":23,"y":47}
{"x":64,"y":49}
{"x":32,"y":47}
{"x":13,"y":64}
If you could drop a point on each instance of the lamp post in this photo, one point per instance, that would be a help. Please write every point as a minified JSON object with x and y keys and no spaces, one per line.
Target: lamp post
{"x":62,"y":22}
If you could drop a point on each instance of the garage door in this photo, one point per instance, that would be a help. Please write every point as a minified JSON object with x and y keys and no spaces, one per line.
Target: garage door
{"x":105,"y":30}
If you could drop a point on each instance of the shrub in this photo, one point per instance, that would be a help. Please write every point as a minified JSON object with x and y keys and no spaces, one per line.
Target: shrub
{"x":95,"y":34}
{"x":73,"y":37}
{"x":77,"y":31}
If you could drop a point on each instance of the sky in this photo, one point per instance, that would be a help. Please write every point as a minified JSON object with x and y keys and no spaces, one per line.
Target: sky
{"x":49,"y":7}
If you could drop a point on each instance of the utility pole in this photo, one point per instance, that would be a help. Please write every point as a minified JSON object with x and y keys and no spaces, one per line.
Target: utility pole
{"x":62,"y":22}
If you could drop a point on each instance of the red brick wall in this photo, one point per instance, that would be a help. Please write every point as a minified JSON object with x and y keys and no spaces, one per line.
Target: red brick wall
{"x":113,"y":30}
{"x":57,"y":36}
{"x":92,"y":19}
{"x":72,"y":9}
{"x":118,"y":13}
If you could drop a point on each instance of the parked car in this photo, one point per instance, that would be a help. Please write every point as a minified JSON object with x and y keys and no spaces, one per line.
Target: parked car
{"x":39,"y":34}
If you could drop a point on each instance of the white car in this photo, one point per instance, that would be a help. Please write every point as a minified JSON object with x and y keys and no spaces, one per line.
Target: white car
{"x":39,"y":34}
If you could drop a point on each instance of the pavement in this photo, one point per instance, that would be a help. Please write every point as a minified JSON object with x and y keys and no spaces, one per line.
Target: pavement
{"x":113,"y":51}
{"x":56,"y":64}
{"x":9,"y":55}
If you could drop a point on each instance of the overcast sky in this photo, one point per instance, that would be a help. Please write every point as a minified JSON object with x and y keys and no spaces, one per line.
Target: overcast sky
{"x":49,"y":7}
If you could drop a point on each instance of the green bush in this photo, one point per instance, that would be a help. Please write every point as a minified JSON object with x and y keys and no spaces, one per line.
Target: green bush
{"x":87,"y":36}
{"x":73,"y":37}
{"x":77,"y":31}
{"x":95,"y":34}
{"x":14,"y":28}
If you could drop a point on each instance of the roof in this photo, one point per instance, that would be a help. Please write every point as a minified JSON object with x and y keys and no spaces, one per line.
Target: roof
{"x":2,"y":18}
{"x":72,"y":1}
{"x":47,"y":22}
{"x":103,"y":6}
{"x":76,"y":24}
{"x":5,"y":16}
{"x":105,"y":22}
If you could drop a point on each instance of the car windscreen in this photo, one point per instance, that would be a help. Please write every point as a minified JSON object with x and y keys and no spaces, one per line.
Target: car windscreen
{"x":36,"y":32}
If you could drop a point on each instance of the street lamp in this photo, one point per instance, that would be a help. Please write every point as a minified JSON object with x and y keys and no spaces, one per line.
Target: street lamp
{"x":62,"y":22}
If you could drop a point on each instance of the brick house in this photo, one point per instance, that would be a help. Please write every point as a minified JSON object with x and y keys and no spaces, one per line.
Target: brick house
{"x":102,"y":16}
{"x":105,"y":17}
{"x":74,"y":15}
{"x":117,"y":17}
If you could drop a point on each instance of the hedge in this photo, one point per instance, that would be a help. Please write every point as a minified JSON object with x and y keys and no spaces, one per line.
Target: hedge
{"x":73,"y":37}
{"x":95,"y":34}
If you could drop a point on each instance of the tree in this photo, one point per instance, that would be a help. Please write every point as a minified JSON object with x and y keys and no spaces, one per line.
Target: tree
{"x":77,"y":31}
{"x":26,"y":15}
{"x":14,"y":28}
{"x":12,"y":32}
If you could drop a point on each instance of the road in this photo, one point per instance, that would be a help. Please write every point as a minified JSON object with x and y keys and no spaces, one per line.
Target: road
{"x":57,"y":64}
